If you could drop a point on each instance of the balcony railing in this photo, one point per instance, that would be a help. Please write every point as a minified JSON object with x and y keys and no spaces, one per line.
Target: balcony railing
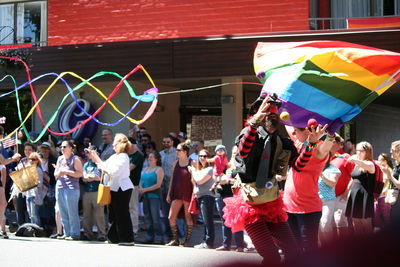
{"x":336,"y":23}
{"x":5,"y":33}
{"x":8,"y":32}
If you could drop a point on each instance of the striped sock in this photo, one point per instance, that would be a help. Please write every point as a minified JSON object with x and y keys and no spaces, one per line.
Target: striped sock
{"x":284,"y":238}
{"x":263,"y":242}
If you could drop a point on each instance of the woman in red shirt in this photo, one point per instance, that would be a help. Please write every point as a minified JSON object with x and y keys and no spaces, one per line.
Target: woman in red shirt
{"x":302,"y":202}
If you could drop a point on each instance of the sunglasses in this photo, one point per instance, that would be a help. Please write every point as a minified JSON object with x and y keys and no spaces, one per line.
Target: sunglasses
{"x":202,"y":156}
{"x":33,"y":159}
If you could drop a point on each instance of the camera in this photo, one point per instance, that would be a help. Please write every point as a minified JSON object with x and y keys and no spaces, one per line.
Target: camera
{"x":274,"y":100}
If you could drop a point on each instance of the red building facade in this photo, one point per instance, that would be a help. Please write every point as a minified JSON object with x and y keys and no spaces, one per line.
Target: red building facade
{"x":183,"y":44}
{"x":98,"y":21}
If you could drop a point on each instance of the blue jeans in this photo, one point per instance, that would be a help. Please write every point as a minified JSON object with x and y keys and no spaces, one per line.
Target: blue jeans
{"x":33,"y":211}
{"x":226,"y":231}
{"x":151,"y":208}
{"x":206,"y":204}
{"x":68,"y":204}
{"x":305,"y":228}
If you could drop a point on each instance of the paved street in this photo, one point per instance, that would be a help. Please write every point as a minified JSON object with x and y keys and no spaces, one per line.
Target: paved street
{"x":24,"y":251}
{"x":31,"y":251}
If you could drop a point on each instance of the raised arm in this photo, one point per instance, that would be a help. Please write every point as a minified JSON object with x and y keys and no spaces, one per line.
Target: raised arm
{"x":367,"y":165}
{"x":7,"y":161}
{"x":246,"y":141}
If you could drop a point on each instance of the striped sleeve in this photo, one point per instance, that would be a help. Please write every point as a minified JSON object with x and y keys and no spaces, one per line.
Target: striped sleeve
{"x":246,"y":142}
{"x":303,"y":159}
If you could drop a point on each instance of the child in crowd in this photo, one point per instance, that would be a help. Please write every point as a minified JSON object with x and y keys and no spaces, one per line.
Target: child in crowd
{"x":220,"y":165}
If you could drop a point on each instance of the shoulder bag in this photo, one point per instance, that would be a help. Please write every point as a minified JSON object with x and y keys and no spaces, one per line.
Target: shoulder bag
{"x":25,"y":178}
{"x":104,"y":192}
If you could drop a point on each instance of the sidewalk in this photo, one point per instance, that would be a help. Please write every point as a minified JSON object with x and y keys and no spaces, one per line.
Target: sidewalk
{"x":197,"y":236}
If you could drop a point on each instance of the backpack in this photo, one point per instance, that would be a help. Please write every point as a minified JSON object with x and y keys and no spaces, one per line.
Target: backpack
{"x":378,"y":183}
{"x":30,"y":230}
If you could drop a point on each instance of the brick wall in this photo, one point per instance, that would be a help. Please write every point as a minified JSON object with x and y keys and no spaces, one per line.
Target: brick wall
{"x":92,"y":21}
{"x":209,"y":129}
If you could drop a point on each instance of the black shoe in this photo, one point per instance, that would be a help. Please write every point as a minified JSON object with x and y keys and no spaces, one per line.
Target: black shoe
{"x":101,"y":239}
{"x":3,"y":235}
{"x":54,"y":236}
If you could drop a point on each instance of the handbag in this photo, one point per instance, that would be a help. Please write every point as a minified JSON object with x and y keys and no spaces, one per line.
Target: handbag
{"x":254,"y":195}
{"x":26,"y":178}
{"x":391,"y":196}
{"x":193,"y":205}
{"x":104,"y":192}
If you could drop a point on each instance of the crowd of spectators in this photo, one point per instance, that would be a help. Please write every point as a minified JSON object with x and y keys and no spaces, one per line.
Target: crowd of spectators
{"x":183,"y":183}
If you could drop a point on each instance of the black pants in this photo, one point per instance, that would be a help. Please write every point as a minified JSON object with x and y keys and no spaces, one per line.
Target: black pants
{"x":21,"y":210}
{"x":121,"y":225}
{"x":305,"y":228}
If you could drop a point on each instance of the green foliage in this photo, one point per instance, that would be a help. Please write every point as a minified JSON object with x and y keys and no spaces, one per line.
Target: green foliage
{"x":9,"y":66}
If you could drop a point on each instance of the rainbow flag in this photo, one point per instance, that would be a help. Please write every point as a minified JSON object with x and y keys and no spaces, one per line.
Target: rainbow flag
{"x":330,"y":81}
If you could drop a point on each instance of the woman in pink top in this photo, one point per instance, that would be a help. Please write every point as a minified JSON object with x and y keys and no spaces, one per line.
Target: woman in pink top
{"x":302,"y":202}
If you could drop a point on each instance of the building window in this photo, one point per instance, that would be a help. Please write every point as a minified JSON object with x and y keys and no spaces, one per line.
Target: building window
{"x":24,"y":22}
{"x":332,"y":14}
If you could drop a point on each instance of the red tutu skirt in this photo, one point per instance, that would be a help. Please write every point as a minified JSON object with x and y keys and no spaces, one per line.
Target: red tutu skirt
{"x":238,"y":213}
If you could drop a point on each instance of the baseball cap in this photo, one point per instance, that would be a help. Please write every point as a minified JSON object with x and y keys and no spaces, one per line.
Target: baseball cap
{"x":220,"y":147}
{"x":33,"y":133}
{"x":46,"y":145}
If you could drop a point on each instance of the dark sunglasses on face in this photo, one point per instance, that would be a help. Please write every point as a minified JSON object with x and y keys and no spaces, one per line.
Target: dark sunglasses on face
{"x":202,"y":156}
{"x":33,"y":159}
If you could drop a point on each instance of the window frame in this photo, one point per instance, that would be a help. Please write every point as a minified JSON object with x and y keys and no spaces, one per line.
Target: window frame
{"x":16,"y":39}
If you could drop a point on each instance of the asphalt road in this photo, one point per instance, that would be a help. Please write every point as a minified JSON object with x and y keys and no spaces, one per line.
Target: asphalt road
{"x":31,"y":251}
